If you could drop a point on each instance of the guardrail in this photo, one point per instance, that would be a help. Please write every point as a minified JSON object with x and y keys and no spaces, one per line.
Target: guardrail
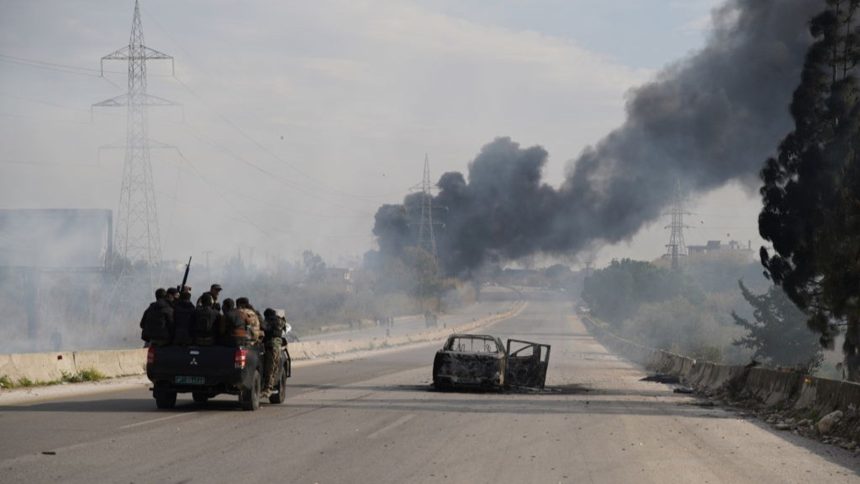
{"x":52,"y":367}
{"x":785,"y":389}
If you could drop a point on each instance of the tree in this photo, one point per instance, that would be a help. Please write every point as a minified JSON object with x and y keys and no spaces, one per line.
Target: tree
{"x":810,"y":190}
{"x":314,"y":266}
{"x":778,"y":334}
{"x":616,"y":292}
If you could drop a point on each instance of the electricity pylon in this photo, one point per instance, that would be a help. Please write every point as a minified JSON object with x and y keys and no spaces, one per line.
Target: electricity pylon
{"x":426,"y":236}
{"x":137,"y":235}
{"x":677,"y":248}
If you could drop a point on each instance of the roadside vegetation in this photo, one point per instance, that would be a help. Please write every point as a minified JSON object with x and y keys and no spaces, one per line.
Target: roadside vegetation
{"x":86,"y":375}
{"x":701,"y":310}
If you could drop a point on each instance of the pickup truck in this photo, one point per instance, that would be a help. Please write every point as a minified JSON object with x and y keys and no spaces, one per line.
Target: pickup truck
{"x":206,"y":371}
{"x":482,"y":360}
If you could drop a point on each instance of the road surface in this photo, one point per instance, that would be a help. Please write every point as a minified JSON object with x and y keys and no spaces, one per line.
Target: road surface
{"x":376,"y":420}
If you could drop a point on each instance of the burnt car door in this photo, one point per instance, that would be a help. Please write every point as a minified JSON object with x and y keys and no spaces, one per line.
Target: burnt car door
{"x":526,"y":364}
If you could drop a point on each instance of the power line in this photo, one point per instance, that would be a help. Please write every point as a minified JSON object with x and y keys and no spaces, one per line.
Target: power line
{"x":270,"y":175}
{"x":320,"y":183}
{"x":70,"y":69}
{"x":273,"y":155}
{"x":221,"y":190}
{"x":53,"y":66}
{"x":67,"y":68}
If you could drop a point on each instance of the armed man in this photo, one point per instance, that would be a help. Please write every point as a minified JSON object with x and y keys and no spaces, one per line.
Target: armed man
{"x":213,"y":292}
{"x":274,"y":326}
{"x":157,"y":322}
{"x":205,"y":322}
{"x":183,"y":318}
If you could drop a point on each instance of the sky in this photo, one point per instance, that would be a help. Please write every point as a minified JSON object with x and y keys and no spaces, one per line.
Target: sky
{"x":298,"y":119}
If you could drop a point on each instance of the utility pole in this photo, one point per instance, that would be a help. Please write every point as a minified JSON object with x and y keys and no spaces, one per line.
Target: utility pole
{"x":677,"y":248}
{"x":137,"y":234}
{"x":426,"y":236}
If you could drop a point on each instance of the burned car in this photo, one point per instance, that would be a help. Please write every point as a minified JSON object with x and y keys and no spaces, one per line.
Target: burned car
{"x":482,"y":361}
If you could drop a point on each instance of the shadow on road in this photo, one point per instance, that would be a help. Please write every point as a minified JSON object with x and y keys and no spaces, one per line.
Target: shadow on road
{"x":123,"y":405}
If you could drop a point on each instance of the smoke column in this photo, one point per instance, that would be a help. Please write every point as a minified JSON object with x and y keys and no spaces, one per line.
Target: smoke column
{"x":709,"y":119}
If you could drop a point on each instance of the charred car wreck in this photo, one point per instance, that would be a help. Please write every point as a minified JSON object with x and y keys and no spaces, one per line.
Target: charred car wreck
{"x":482,"y":361}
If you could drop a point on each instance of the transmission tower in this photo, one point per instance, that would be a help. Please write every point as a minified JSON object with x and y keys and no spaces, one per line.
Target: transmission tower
{"x":426,"y":236}
{"x":137,"y":235}
{"x":677,"y":248}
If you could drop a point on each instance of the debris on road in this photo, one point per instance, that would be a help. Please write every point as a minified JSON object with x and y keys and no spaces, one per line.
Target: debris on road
{"x":825,"y":425}
{"x":662,"y":378}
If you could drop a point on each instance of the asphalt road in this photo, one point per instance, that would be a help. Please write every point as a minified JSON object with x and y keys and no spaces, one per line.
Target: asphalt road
{"x":376,"y":420}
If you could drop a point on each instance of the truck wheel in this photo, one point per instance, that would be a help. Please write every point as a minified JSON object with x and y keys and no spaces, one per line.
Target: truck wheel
{"x":164,"y":399}
{"x":282,"y":389}
{"x":441,"y":385}
{"x":250,"y":398}
{"x":200,"y":397}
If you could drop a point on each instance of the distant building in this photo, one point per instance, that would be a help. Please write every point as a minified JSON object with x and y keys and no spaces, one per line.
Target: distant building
{"x":716,"y":246}
{"x":338,"y":275}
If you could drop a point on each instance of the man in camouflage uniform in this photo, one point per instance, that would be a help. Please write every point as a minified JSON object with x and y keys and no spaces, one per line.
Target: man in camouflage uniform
{"x":249,"y":316}
{"x":274,"y":325}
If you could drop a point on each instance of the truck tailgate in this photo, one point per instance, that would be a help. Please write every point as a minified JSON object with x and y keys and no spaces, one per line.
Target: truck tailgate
{"x":193,"y":364}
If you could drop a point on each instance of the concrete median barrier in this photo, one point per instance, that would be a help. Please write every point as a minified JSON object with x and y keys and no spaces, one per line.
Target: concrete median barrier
{"x":132,"y":362}
{"x":36,"y":367}
{"x":328,"y":348}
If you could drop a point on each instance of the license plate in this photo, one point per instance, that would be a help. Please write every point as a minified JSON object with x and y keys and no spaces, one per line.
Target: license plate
{"x":190,"y":380}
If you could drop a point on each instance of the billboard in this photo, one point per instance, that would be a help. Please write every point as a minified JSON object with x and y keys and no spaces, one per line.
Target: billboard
{"x":55,"y":238}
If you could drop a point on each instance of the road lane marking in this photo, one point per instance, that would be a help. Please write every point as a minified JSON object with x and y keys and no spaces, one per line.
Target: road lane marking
{"x":160,"y":419}
{"x":402,"y":420}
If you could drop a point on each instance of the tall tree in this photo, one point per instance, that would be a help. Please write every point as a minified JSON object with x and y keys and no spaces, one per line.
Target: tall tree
{"x":810,"y":189}
{"x":778,"y":333}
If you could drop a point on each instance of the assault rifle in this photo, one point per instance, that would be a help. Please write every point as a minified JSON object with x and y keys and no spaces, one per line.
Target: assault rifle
{"x":185,"y":277}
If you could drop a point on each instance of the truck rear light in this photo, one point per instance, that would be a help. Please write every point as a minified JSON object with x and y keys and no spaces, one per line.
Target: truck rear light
{"x":240,"y":358}
{"x":150,"y":355}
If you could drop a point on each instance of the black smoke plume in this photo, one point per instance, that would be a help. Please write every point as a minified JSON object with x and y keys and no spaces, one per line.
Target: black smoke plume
{"x":709,"y":119}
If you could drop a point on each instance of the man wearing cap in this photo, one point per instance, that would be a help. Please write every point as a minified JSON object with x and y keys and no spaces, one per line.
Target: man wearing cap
{"x":214,"y":290}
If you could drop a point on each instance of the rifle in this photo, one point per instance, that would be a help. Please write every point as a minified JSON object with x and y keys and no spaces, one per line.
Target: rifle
{"x":185,"y":277}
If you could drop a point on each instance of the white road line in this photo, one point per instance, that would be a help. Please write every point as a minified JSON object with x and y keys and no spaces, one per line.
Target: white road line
{"x":161,"y":419}
{"x":402,"y":420}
